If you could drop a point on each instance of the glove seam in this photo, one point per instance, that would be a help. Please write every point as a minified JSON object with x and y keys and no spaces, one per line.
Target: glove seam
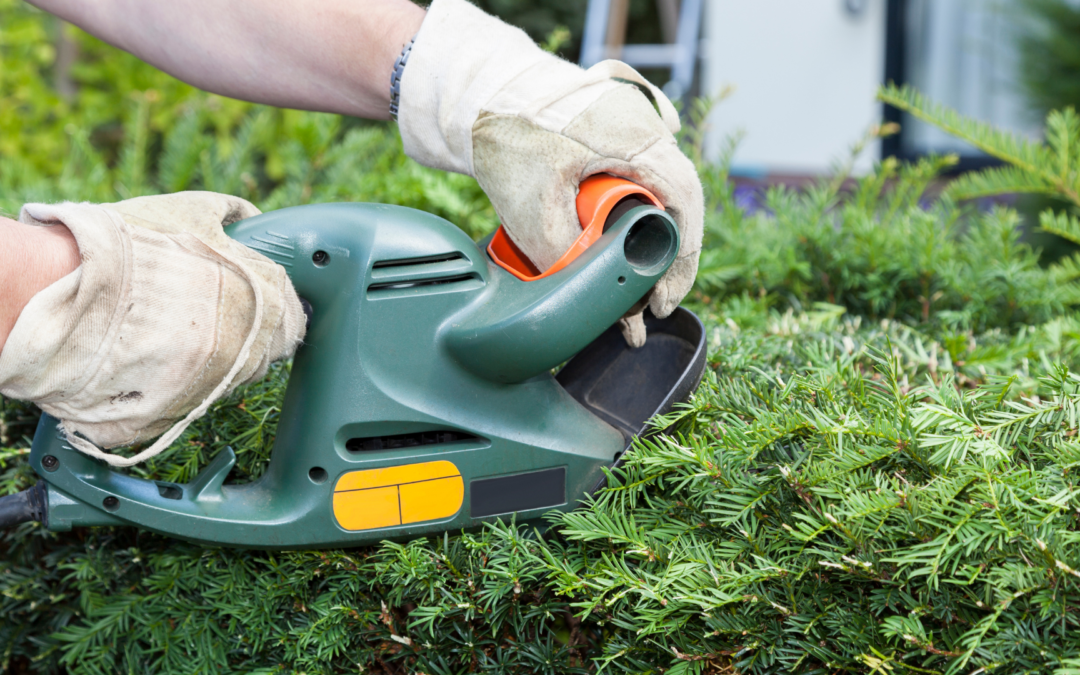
{"x":485,"y":116}
{"x":642,"y":151}
{"x":170,"y":410}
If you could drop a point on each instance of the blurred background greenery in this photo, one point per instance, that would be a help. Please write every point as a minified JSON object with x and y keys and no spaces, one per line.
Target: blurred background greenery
{"x":71,"y":106}
{"x":100,"y":125}
{"x":1050,"y":55}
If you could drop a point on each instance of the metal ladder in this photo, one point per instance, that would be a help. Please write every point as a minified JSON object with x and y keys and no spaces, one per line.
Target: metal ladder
{"x":605,"y":35}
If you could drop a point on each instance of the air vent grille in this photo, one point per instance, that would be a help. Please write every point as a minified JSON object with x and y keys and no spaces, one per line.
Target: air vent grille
{"x":407,"y":277}
{"x":412,"y":440}
{"x":408,"y":284}
{"x":426,"y":260}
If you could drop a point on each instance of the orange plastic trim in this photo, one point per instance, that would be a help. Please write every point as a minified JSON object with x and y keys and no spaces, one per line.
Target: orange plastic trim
{"x":597,"y":196}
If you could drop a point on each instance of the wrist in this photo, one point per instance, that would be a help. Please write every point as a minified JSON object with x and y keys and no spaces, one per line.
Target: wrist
{"x":401,"y":31}
{"x":32,"y":258}
{"x":59,"y":255}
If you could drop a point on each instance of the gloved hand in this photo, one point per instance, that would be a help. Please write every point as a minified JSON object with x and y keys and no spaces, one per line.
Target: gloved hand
{"x":480,"y":98}
{"x":164,"y":316}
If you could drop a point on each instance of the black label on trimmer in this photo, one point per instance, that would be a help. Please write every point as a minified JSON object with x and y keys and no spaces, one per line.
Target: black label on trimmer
{"x":520,"y":492}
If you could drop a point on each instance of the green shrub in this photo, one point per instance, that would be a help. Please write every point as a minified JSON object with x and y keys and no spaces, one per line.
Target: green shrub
{"x":879,"y":253}
{"x":877,"y":474}
{"x":711,"y":549}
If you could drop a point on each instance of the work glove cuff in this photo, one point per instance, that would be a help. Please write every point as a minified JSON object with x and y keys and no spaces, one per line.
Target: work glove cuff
{"x":460,"y":59}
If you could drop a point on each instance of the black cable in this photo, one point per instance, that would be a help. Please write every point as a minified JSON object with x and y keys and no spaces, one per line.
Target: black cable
{"x":22,"y":507}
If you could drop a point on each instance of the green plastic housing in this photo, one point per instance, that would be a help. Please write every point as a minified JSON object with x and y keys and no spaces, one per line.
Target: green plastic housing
{"x":415,"y":335}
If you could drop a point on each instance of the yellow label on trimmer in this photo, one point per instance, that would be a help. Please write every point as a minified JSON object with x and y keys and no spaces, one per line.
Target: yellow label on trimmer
{"x":398,"y":495}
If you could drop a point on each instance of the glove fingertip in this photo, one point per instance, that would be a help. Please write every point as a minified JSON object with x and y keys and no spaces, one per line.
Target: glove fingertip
{"x":662,"y":302}
{"x":633,"y":330}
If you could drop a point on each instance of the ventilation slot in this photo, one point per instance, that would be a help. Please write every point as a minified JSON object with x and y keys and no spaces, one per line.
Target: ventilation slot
{"x":170,"y":491}
{"x":420,"y":283}
{"x":405,"y":277}
{"x":405,"y":262}
{"x":406,"y":440}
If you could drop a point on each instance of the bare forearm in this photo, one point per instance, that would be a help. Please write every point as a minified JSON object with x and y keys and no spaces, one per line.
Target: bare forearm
{"x":332,"y":56}
{"x":31,"y":258}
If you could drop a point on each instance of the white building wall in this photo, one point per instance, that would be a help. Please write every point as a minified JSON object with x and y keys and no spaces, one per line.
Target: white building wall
{"x":805,"y":73}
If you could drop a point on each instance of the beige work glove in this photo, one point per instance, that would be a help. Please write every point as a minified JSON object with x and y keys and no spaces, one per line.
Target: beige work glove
{"x":164,"y":316}
{"x":478,"y":97}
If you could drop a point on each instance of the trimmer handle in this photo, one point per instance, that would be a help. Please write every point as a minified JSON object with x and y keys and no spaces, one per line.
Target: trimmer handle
{"x":525,"y":329}
{"x":599,"y":197}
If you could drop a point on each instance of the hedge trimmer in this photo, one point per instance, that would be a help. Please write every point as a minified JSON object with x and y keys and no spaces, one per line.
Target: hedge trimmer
{"x":423,"y":399}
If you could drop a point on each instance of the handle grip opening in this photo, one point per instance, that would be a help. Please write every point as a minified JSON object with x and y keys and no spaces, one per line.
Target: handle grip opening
{"x":602,"y":200}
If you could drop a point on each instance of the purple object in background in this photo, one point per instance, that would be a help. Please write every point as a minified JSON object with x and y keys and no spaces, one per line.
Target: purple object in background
{"x":750,"y":198}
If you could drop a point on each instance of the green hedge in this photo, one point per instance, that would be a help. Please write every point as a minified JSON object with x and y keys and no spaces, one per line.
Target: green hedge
{"x":877,"y":474}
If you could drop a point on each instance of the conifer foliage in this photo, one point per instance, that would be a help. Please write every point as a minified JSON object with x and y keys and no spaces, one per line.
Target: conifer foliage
{"x":1049,"y":168}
